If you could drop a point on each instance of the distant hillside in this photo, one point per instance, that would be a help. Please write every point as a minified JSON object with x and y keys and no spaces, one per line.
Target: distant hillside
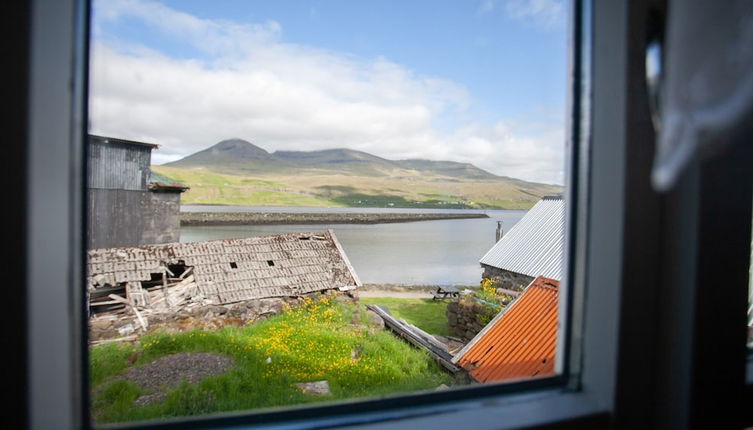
{"x":240,"y":156}
{"x":235,"y":171}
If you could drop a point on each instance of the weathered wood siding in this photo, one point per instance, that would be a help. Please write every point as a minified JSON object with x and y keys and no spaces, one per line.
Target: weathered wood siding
{"x":115,"y":165}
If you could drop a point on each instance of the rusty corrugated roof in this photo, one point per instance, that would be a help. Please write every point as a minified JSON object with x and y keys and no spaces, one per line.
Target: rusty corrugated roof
{"x":520,"y":342}
{"x":234,"y":270}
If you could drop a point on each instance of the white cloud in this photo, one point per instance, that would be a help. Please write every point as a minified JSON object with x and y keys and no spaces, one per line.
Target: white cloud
{"x":285,"y":96}
{"x":543,"y":13}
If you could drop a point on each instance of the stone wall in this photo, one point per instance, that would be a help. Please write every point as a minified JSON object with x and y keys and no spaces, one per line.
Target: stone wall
{"x":201,"y":317}
{"x":466,"y":317}
{"x":506,"y":279}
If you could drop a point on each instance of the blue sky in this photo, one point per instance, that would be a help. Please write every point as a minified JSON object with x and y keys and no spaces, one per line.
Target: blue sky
{"x":476,"y":81}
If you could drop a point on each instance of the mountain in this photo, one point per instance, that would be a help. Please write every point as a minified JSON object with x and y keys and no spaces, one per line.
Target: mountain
{"x":447,"y":168}
{"x":241,"y":156}
{"x":227,"y":150}
{"x":237,"y":172}
{"x":231,"y":155}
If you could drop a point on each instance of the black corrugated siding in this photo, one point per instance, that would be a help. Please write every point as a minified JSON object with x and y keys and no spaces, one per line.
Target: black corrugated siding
{"x":118,"y":166}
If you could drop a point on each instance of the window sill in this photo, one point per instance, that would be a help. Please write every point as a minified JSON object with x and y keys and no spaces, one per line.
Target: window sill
{"x":539,"y":409}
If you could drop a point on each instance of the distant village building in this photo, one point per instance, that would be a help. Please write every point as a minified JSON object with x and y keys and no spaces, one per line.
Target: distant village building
{"x":520,"y":342}
{"x":128,"y":205}
{"x":532,"y":248}
{"x":131,"y":284}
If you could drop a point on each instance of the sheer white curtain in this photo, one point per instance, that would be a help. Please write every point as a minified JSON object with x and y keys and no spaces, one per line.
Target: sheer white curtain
{"x":706,"y":89}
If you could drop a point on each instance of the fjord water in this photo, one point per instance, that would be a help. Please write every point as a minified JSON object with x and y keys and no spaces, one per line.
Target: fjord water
{"x":443,"y":252}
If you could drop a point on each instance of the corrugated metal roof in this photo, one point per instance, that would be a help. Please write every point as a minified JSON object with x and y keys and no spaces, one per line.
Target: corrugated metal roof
{"x":121,"y":141}
{"x":234,"y":270}
{"x":520,"y":342}
{"x":534,"y":246}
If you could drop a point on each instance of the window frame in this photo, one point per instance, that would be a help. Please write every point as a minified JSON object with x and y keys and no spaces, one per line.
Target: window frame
{"x":602,"y":381}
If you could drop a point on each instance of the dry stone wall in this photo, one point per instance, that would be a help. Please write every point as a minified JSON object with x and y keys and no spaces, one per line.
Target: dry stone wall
{"x":201,"y":317}
{"x":506,"y":279}
{"x":466,"y":317}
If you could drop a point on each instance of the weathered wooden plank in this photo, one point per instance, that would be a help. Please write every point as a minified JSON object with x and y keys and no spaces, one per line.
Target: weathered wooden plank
{"x":119,"y":339}
{"x":417,"y":337}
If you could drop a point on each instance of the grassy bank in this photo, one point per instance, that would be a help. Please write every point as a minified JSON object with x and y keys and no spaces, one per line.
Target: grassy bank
{"x":427,"y":314}
{"x":323,"y":340}
{"x":313,"y":188}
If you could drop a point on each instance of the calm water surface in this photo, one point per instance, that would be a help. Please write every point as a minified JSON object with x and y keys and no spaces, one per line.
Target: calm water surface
{"x":443,"y":252}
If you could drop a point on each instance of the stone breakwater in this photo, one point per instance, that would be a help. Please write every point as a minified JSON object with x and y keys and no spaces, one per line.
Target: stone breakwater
{"x":261,"y":218}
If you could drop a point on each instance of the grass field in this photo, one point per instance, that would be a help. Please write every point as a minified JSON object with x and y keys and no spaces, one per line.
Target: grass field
{"x":427,"y":314}
{"x":310,"y":343}
{"x":312,"y":188}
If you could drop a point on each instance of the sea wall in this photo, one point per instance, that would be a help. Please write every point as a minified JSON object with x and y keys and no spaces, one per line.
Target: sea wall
{"x":261,"y":218}
{"x":466,"y":317}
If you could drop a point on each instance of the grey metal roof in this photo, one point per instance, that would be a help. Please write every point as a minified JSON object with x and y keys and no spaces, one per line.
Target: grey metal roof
{"x":534,"y":246}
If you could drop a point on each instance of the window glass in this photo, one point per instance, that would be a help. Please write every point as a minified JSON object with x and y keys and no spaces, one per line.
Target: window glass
{"x":305,"y":202}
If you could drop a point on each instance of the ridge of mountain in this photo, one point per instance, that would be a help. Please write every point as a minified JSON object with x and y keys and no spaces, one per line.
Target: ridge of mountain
{"x":238,"y":155}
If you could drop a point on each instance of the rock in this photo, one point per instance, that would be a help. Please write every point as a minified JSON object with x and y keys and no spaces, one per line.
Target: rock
{"x":442,"y":387}
{"x":375,"y":319}
{"x":126,"y":330}
{"x":101,"y":323}
{"x":150,"y":399}
{"x":317,"y":388}
{"x":462,"y":378}
{"x":355,"y":354}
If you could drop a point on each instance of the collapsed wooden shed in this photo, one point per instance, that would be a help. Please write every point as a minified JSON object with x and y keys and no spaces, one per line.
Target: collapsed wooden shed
{"x":139,"y":281}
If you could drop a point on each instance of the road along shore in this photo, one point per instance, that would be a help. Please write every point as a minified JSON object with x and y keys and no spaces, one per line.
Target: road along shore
{"x":262,"y":218}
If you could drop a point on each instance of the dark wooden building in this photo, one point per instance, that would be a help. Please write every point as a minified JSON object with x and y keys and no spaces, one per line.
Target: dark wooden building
{"x":127,"y":205}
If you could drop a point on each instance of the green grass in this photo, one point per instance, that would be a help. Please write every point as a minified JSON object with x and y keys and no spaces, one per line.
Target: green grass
{"x":427,"y":314}
{"x":309,"y":343}
{"x":333,"y":188}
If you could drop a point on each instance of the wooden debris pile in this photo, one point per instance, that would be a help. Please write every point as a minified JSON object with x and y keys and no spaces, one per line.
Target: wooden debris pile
{"x":219,"y":275}
{"x":138,"y":300}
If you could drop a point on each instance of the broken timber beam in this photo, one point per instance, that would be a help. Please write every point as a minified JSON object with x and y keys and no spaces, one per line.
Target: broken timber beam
{"x":417,"y":337}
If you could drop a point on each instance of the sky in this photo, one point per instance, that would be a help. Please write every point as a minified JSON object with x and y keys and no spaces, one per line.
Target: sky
{"x":478,"y":81}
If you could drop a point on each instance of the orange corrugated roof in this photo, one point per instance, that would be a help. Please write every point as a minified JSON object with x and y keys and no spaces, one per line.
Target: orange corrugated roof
{"x":521,"y":341}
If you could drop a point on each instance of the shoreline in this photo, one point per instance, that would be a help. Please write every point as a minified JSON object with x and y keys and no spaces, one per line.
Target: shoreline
{"x":272,"y":218}
{"x":400,"y":291}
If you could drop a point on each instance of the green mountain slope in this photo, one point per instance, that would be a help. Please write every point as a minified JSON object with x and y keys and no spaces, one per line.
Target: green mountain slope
{"x":237,"y":172}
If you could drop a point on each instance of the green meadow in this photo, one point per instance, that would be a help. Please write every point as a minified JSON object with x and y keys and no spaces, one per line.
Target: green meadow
{"x":321,"y":340}
{"x":328,"y":189}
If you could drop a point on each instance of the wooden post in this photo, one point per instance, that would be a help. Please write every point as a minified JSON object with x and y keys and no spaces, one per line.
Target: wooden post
{"x":164,"y":289}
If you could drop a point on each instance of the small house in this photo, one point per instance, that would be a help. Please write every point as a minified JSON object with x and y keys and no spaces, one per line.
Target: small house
{"x":520,"y":342}
{"x":532,"y":248}
{"x":128,"y":205}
